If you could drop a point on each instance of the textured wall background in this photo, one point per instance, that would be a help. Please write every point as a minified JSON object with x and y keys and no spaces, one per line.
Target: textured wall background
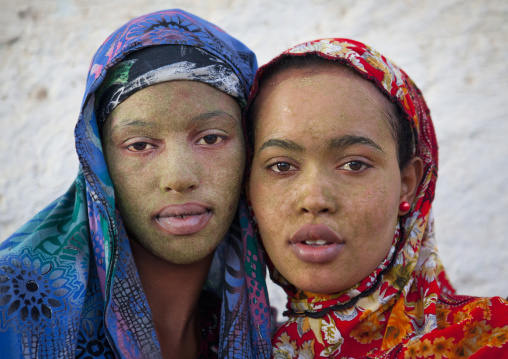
{"x":455,"y":50}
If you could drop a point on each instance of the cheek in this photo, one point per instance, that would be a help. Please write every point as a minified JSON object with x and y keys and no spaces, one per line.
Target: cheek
{"x":129,"y":180}
{"x":223,"y":174}
{"x":270,"y":202}
{"x":131,"y":183}
{"x":372,"y":211}
{"x":259,"y":194}
{"x":380,"y":204}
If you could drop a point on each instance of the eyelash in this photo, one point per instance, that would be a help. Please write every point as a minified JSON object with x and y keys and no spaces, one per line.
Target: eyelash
{"x":346,"y":166}
{"x":138,"y":143}
{"x":363,"y":166}
{"x":217,"y":137}
{"x":271,"y":167}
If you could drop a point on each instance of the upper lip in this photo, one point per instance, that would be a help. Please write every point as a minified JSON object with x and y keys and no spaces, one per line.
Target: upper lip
{"x":185,"y":209}
{"x":316,"y":231}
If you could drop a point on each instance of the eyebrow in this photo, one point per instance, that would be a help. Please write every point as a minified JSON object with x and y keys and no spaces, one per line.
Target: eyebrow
{"x":350,"y":140}
{"x":335,"y":143}
{"x":284,"y":144}
{"x":204,"y":116}
{"x":208,"y":115}
{"x":134,"y":123}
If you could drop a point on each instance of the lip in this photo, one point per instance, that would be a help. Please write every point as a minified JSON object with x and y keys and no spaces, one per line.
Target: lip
{"x":316,"y":253}
{"x":183,"y":219}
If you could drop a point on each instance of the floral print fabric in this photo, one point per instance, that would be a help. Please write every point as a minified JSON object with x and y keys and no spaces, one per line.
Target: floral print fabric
{"x":406,"y":308}
{"x":69,"y":286}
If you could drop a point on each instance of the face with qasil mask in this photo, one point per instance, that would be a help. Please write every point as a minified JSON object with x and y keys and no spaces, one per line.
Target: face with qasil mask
{"x":325,"y":184}
{"x":175,"y":153}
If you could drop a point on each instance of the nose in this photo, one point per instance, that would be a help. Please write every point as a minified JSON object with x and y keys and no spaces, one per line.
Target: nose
{"x":179,"y":170}
{"x":317,"y":194}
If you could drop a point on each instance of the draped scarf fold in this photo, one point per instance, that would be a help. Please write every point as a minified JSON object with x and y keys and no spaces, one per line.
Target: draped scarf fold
{"x":69,"y":286}
{"x":406,"y":308}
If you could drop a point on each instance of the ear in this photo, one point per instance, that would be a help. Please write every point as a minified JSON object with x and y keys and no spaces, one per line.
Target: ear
{"x":410,"y":176}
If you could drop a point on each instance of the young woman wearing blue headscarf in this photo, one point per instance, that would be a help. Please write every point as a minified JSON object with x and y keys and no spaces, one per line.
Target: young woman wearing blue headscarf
{"x":143,"y":256}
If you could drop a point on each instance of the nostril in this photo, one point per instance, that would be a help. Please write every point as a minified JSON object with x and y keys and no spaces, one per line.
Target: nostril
{"x":316,"y":209}
{"x":179,"y":182}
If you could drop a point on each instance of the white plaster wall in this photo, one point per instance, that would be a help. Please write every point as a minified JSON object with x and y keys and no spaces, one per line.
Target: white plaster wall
{"x":455,"y":50}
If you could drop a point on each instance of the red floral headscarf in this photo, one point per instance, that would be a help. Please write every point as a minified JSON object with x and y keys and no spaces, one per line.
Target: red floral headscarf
{"x":405,"y":308}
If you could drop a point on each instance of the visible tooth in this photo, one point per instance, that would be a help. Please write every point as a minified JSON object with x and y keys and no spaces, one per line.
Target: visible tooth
{"x":315,"y":242}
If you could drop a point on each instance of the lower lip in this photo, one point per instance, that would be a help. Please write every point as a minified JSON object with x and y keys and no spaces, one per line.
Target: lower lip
{"x":184,"y":226}
{"x":316,"y":254}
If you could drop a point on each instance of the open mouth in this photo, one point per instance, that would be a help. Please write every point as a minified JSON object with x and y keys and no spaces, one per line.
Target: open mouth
{"x":181,"y":216}
{"x":316,"y":243}
{"x":184,"y":219}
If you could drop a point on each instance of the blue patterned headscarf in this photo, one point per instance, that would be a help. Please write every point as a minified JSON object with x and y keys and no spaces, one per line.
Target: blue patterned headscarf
{"x":68,"y":283}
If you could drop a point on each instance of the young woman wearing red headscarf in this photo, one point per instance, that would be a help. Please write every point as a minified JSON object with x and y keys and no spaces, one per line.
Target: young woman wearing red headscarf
{"x":343,"y":177}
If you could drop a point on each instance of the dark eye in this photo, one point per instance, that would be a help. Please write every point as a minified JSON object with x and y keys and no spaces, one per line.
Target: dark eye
{"x":354,"y":166}
{"x":139,"y":146}
{"x":281,"y":167}
{"x":210,"y":140}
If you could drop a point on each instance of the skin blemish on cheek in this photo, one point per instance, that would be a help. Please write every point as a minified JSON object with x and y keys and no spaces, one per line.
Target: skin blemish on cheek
{"x":382,"y":189}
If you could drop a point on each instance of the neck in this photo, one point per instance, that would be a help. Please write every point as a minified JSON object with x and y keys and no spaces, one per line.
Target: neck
{"x":172,"y":291}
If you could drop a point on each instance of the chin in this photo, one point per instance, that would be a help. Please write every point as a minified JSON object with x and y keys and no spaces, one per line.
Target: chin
{"x":179,"y":251}
{"x":318,"y":284}
{"x":317,"y":289}
{"x":187,"y":257}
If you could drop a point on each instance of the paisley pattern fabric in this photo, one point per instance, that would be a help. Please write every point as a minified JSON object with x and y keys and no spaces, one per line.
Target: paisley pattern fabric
{"x":405,"y":308}
{"x":69,"y":286}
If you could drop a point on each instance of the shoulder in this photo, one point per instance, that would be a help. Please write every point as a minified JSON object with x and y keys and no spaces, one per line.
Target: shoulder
{"x":452,"y":309}
{"x":479,"y":325}
{"x":470,"y":303}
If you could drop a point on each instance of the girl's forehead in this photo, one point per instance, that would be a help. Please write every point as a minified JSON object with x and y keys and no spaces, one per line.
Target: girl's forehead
{"x":326,"y":83}
{"x":316,"y":107}
{"x":328,"y":80}
{"x":325,"y":74}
